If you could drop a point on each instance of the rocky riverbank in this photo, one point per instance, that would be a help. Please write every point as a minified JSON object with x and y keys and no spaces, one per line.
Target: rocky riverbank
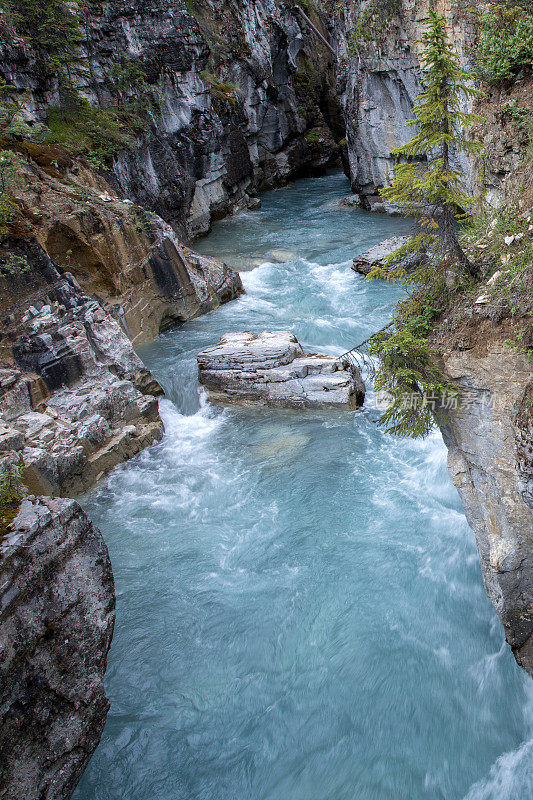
{"x":57,"y":615}
{"x":252,"y":94}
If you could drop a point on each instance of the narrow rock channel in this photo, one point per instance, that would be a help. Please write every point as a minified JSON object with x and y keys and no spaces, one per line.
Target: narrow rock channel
{"x":300,"y":611}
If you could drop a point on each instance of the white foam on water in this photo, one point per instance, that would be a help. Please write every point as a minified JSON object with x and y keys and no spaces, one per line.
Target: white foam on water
{"x":310,"y":580}
{"x":257,"y":279}
{"x":183,"y":427}
{"x":511,"y":775}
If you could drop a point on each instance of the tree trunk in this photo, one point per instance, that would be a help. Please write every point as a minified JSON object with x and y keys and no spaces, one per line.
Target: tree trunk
{"x":449,"y":229}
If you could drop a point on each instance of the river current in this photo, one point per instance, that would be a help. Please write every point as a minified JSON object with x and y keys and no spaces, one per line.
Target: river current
{"x":300,"y":612}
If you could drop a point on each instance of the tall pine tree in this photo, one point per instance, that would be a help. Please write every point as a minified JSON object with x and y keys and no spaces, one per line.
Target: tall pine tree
{"x":429,"y":188}
{"x":425,"y":184}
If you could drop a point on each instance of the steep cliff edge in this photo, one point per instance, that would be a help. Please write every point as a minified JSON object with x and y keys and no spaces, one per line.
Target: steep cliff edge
{"x":127,"y":257}
{"x":57,"y":611}
{"x":486,"y":342}
{"x":246,"y":93}
{"x":490,"y":459}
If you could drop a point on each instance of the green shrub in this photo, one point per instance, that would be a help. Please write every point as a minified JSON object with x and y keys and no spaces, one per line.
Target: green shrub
{"x":134,"y":95}
{"x":371,"y":23}
{"x":503,"y":238}
{"x":506,"y":41}
{"x":93,"y":132}
{"x":228,"y":92}
{"x":11,"y":486}
{"x":14,"y":265}
{"x":307,"y":5}
{"x":52,"y":27}
{"x":306,"y":78}
{"x":408,"y":371}
{"x":313,"y":137}
{"x":10,"y":177}
{"x":522,"y":120}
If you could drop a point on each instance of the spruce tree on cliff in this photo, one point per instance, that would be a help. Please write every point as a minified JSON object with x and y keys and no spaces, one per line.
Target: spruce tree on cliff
{"x":434,"y":192}
{"x":425,"y":184}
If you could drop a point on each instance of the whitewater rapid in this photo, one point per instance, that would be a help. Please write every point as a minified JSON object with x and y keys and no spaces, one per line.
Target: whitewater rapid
{"x":300,"y":612}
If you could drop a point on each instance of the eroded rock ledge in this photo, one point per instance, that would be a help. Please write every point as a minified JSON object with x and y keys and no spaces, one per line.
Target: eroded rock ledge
{"x":75,"y":400}
{"x":57,"y":611}
{"x":271,"y":369}
{"x":129,"y":258}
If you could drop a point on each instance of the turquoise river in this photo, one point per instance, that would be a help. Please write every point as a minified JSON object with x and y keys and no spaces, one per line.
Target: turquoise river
{"x":300,"y":612}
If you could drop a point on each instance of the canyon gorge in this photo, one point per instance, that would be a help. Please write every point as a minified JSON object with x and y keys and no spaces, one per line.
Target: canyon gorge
{"x":244,"y":97}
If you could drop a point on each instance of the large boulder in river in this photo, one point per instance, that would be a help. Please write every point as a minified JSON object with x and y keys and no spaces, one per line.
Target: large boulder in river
{"x":376,"y":256}
{"x":271,"y":369}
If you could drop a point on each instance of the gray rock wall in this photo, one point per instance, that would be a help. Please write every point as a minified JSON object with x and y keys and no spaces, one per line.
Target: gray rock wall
{"x":75,"y":399}
{"x":57,"y":611}
{"x":490,"y":459}
{"x":241,"y":84}
{"x":378,"y":81}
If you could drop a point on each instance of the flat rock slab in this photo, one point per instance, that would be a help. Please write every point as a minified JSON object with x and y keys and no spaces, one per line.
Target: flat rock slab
{"x":377,"y":254}
{"x":271,"y":369}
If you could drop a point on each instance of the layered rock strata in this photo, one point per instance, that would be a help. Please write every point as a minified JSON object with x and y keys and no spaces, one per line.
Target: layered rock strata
{"x":57,"y":611}
{"x":271,"y":369}
{"x":129,"y":258}
{"x":490,"y":459}
{"x":75,"y":400}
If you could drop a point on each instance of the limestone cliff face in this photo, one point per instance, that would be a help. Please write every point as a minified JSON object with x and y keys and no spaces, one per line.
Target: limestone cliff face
{"x":57,"y":611}
{"x":490,"y":439}
{"x":75,"y":400}
{"x":490,"y":446}
{"x":379,"y":78}
{"x":241,"y":84}
{"x":129,"y":258}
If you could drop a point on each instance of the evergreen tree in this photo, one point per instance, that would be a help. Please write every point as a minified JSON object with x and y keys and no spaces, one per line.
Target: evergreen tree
{"x":434,"y":192}
{"x":53,"y":28}
{"x":425,"y":184}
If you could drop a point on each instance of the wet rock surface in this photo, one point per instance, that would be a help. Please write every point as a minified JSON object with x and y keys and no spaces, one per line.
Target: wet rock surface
{"x":57,"y":611}
{"x":376,"y":256}
{"x":271,"y":369}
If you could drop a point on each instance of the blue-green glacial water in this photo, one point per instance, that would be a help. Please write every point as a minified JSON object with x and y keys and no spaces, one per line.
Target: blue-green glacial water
{"x":300,"y":613}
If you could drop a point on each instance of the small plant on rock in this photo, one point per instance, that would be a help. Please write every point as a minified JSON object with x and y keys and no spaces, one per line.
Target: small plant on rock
{"x":506,"y":41}
{"x":10,"y":178}
{"x":11,"y":486}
